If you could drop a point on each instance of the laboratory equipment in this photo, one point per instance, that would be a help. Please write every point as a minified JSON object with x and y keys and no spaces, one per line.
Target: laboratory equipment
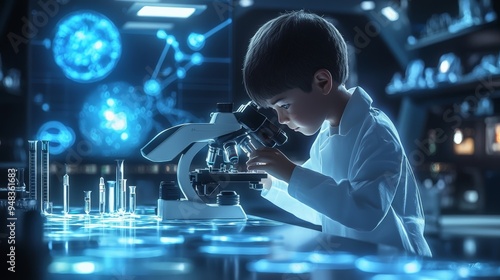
{"x":66,"y":192}
{"x":119,"y":186}
{"x":102,"y":196}
{"x":33,"y":169}
{"x":87,"y":202}
{"x":132,"y":200}
{"x":44,"y":178}
{"x":246,"y":145}
{"x":111,"y":196}
{"x":226,"y":131}
{"x":123,"y":196}
{"x":20,"y":180}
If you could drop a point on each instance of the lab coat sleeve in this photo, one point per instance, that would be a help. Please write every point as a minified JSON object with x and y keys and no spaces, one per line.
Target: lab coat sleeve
{"x":278,"y":195}
{"x":361,"y":200}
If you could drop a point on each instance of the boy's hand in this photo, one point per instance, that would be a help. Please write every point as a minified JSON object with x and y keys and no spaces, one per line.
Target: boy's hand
{"x":273,"y":162}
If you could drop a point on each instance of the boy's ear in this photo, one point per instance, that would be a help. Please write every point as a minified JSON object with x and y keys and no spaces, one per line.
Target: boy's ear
{"x":323,"y":81}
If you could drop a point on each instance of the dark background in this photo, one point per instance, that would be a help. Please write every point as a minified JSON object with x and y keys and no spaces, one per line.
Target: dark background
{"x":456,"y":183}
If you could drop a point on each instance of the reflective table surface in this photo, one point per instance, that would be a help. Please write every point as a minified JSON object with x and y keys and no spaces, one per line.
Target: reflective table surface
{"x":80,"y":246}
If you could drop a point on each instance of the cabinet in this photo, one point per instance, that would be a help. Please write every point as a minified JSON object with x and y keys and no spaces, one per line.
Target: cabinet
{"x":450,"y":96}
{"x":455,"y":48}
{"x":454,"y":76}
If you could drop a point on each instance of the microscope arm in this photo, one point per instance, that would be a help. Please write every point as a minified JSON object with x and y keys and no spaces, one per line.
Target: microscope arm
{"x":183,"y":168}
{"x":173,"y":141}
{"x":187,"y":140}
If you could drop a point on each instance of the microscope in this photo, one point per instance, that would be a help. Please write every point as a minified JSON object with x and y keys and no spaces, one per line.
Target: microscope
{"x":246,"y":128}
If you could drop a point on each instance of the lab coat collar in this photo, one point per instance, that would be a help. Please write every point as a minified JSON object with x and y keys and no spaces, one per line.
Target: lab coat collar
{"x":359,"y":103}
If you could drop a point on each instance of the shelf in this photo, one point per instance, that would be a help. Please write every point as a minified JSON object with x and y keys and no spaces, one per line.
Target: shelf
{"x":488,"y":83}
{"x":449,"y":36}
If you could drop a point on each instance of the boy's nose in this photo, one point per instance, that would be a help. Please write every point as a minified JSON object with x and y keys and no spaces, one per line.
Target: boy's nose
{"x":282,"y":119}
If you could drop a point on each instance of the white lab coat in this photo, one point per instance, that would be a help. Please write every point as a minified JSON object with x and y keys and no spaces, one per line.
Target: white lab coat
{"x":358,"y":182}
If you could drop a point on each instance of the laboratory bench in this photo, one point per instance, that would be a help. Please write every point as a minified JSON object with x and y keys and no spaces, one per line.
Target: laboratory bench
{"x":141,"y":246}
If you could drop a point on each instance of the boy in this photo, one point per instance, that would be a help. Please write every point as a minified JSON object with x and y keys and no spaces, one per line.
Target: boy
{"x":358,"y":182}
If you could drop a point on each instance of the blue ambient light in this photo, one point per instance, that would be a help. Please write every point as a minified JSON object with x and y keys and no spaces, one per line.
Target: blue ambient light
{"x":86,"y":46}
{"x":152,"y":87}
{"x":61,"y":137}
{"x":112,"y":115}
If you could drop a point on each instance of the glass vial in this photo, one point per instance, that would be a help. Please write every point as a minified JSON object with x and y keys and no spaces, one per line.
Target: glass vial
{"x":66,"y":194}
{"x":44,"y":178}
{"x":33,"y":169}
{"x":111,"y":196}
{"x":122,"y":204}
{"x":118,"y":186}
{"x":102,"y":196}
{"x":132,"y":200}
{"x":87,"y":202}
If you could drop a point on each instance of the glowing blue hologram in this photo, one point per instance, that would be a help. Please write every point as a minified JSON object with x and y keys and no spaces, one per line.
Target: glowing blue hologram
{"x":61,"y":137}
{"x":160,"y":61}
{"x":45,"y":107}
{"x":218,"y":28}
{"x":161,"y":34}
{"x":181,"y":73}
{"x":196,"y":41}
{"x":116,"y":119}
{"x":171,"y":40}
{"x":152,"y":87}
{"x":179,"y":56}
{"x":180,"y":63}
{"x":86,"y":46}
{"x":197,"y":58}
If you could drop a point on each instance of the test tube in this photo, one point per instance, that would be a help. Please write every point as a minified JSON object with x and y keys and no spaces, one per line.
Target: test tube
{"x":132,"y":200}
{"x":33,"y":169}
{"x":66,"y":192}
{"x":119,"y":186}
{"x":44,"y":178}
{"x":87,"y":202}
{"x":102,"y":196}
{"x":123,"y":196}
{"x":111,"y":196}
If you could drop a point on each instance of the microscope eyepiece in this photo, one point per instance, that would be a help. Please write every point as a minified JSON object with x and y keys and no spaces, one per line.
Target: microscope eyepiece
{"x":259,"y":126}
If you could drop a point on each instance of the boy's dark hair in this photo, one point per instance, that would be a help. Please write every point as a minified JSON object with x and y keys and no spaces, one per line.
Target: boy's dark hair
{"x":286,"y":52}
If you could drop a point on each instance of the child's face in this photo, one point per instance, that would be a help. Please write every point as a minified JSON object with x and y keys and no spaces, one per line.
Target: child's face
{"x":301,"y":111}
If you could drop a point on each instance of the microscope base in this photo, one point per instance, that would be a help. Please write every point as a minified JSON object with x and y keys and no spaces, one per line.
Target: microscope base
{"x":189,"y":210}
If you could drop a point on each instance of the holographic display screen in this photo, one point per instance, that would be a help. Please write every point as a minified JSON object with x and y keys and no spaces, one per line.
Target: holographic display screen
{"x":103,"y":81}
